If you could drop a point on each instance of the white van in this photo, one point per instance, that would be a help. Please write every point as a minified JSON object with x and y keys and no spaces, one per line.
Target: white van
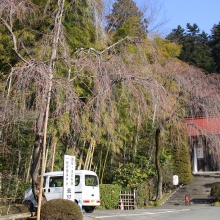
{"x":86,"y":188}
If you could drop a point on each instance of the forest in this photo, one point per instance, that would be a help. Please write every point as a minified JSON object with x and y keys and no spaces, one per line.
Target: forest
{"x":83,"y":78}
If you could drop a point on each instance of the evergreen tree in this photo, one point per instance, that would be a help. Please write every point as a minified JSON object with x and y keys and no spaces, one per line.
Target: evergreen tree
{"x":122,"y":11}
{"x":195,"y":47}
{"x":79,"y":24}
{"x":177,"y":35}
{"x":193,"y":30}
{"x":215,"y":45}
{"x":180,"y":153}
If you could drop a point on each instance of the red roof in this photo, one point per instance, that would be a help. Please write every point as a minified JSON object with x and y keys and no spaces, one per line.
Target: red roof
{"x":202,"y":125}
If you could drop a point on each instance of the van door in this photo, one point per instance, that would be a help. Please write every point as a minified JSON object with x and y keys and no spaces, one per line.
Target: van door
{"x":91,"y":190}
{"x":54,"y":187}
{"x":78,"y":187}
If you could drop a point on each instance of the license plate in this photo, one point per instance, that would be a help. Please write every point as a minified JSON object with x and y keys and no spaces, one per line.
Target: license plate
{"x":92,"y":202}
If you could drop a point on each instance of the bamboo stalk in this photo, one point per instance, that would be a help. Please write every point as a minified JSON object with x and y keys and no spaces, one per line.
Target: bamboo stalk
{"x":53,"y":154}
{"x":28,"y":170}
{"x":92,"y":153}
{"x":105,"y":161}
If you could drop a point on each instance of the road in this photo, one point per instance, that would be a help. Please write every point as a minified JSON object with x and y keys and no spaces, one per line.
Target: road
{"x":165,"y":213}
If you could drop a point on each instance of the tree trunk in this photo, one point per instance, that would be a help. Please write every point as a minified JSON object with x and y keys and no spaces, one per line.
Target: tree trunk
{"x":41,"y":129}
{"x":158,"y":165}
{"x":36,"y":165}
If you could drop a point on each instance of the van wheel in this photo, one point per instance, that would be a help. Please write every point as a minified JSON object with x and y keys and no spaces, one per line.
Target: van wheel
{"x":89,"y":209}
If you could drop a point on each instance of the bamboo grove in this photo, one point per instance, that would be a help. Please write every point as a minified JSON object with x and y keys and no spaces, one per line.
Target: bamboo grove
{"x":111,"y":96}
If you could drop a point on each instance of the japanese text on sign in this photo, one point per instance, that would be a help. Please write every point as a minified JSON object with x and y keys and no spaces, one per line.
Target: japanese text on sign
{"x":69,"y":178}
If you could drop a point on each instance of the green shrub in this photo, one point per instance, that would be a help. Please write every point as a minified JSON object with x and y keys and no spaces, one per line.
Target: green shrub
{"x":182,"y":166}
{"x":215,"y":191}
{"x":216,"y":204}
{"x":145,"y":193}
{"x":58,"y":209}
{"x":109,"y":195}
{"x":22,"y":188}
{"x":129,"y":176}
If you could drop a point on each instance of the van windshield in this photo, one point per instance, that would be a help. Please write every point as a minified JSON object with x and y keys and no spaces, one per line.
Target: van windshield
{"x":91,"y":180}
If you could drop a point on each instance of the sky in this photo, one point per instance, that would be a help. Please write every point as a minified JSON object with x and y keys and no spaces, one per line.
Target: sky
{"x":204,"y":13}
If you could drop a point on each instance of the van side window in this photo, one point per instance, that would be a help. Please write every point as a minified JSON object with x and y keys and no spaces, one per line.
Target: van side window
{"x":56,"y":181}
{"x":44,"y":183}
{"x":91,"y":180}
{"x":77,"y":180}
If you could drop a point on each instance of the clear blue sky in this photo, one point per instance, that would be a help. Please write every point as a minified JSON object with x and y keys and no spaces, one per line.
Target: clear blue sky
{"x":205,"y":13}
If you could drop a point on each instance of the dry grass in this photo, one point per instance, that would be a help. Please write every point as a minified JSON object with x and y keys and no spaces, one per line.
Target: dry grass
{"x":13,"y":209}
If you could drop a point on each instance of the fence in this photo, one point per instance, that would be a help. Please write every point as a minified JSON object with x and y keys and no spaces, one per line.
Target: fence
{"x":127,"y":200}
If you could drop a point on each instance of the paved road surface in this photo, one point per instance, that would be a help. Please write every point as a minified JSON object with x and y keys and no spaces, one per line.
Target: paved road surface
{"x":162,"y":213}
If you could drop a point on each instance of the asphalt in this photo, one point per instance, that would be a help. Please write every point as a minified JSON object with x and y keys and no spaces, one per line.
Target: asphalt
{"x":89,"y":218}
{"x":85,"y":217}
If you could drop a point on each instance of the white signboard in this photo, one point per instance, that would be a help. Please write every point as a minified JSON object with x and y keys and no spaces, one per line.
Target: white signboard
{"x":69,"y":177}
{"x":175,"y":180}
{"x":199,"y":152}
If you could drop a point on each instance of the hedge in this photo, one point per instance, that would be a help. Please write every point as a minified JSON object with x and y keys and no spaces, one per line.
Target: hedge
{"x":215,"y":191}
{"x":109,"y":196}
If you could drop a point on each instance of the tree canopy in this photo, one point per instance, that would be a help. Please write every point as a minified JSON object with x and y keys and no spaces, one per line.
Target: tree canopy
{"x":215,"y":45}
{"x":195,"y":47}
{"x":115,"y":100}
{"x":126,"y":16}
